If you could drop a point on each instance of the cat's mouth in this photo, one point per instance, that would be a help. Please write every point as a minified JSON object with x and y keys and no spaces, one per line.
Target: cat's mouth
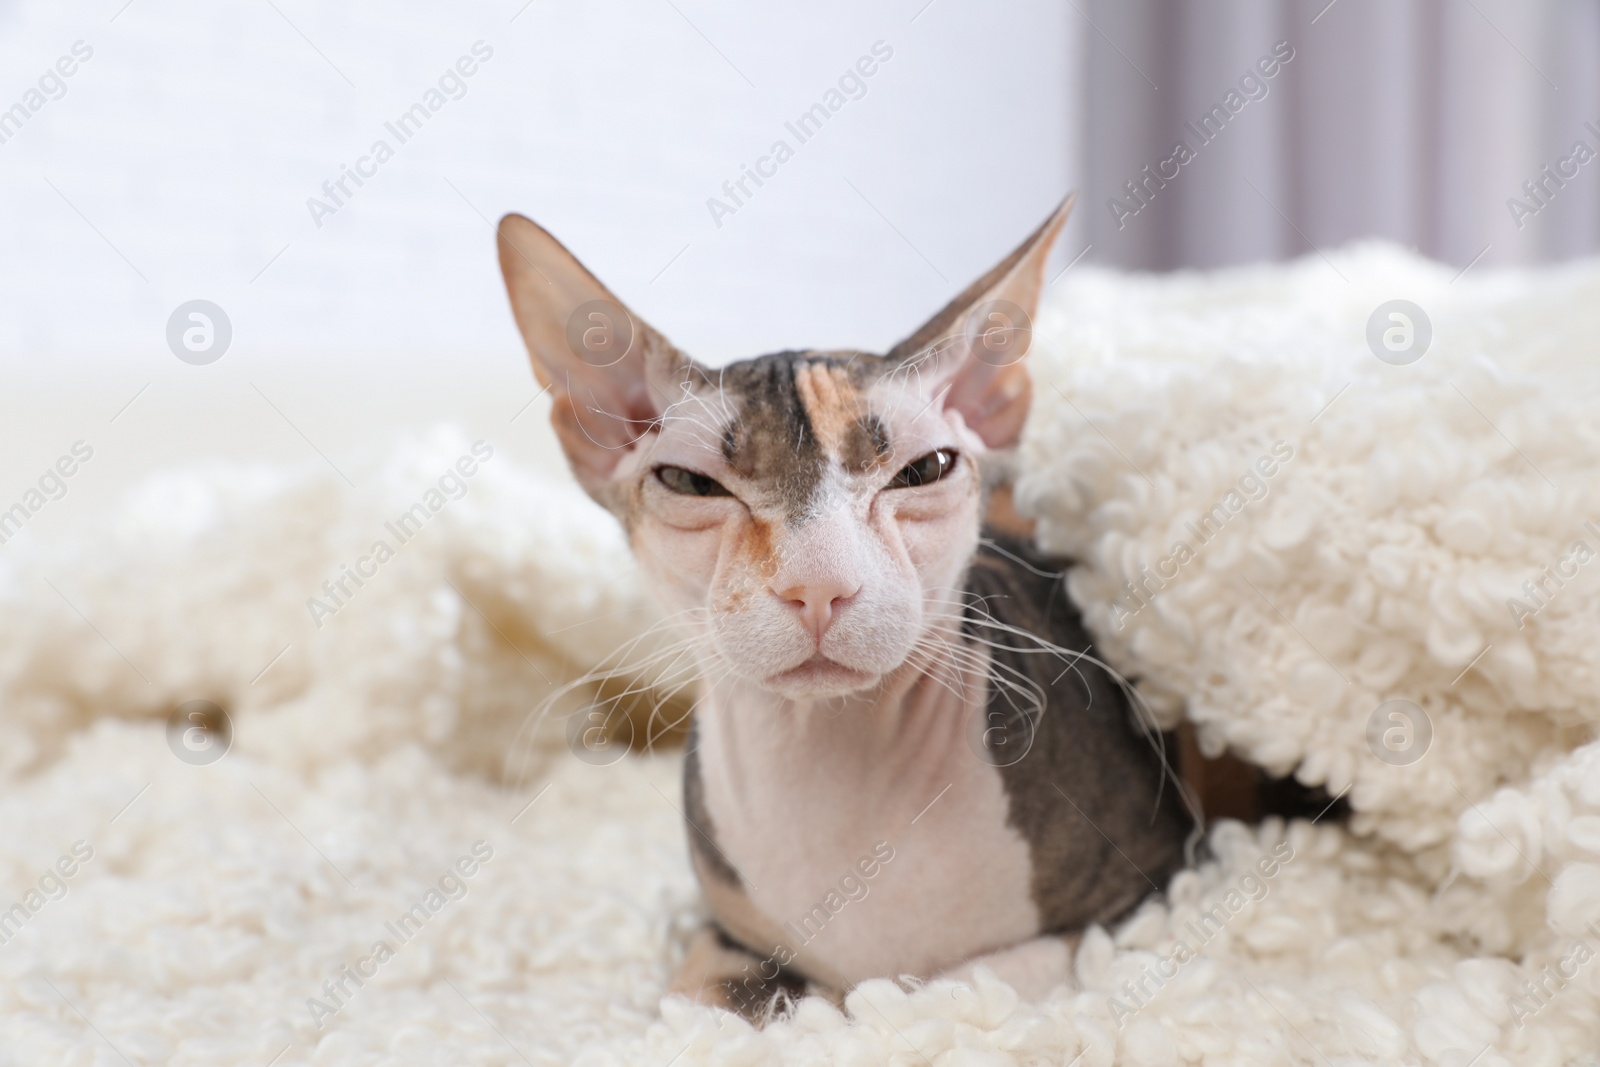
{"x":819,"y":674}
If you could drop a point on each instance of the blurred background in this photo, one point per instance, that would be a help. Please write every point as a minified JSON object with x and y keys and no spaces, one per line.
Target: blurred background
{"x":154,"y":153}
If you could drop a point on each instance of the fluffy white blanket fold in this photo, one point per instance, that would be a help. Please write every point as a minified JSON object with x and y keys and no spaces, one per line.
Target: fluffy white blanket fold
{"x":1421,"y":537}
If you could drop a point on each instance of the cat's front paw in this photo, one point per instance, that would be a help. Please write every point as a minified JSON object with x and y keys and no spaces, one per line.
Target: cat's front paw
{"x":719,"y":973}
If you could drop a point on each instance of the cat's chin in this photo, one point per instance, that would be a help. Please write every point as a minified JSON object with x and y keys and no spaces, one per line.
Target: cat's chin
{"x":819,"y":677}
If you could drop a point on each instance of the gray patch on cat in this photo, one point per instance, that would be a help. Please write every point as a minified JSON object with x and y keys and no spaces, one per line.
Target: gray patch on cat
{"x":773,"y":439}
{"x":1084,"y":796}
{"x":866,"y":444}
{"x":702,"y":835}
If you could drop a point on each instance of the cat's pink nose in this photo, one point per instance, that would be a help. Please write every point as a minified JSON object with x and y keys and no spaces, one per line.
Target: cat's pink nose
{"x":818,"y":602}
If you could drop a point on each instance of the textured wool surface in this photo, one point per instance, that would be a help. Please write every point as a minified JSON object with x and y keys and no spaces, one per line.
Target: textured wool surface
{"x":378,"y":743}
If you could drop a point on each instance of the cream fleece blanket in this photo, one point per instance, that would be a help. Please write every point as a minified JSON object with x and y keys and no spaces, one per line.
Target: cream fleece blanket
{"x":361,"y":880}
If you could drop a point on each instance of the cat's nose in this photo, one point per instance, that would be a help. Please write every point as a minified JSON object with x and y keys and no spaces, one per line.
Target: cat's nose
{"x":818,"y":602}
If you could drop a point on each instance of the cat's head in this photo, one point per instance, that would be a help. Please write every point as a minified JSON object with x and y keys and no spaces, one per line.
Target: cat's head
{"x":810,"y":513}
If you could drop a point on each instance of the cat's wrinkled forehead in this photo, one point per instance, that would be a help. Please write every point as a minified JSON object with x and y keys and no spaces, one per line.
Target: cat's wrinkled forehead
{"x":795,"y":413}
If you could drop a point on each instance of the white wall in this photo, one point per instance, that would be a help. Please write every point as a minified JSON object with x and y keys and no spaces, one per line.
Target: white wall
{"x":189,"y":143}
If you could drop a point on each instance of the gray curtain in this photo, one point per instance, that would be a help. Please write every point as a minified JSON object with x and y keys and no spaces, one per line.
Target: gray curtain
{"x":1419,"y":121}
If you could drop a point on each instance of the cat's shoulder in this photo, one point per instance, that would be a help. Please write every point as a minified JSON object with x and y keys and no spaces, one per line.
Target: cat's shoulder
{"x":1012,"y":580}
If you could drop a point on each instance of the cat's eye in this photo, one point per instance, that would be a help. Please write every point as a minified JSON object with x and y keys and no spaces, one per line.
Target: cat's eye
{"x":689,"y":483}
{"x":926,"y":470}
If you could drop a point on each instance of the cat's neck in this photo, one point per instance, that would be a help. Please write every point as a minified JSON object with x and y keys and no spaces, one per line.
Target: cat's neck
{"x":914,"y":724}
{"x":793,"y":797}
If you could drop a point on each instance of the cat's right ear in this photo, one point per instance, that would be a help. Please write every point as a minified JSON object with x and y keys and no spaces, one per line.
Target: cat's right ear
{"x":610,"y":375}
{"x":972,"y":349}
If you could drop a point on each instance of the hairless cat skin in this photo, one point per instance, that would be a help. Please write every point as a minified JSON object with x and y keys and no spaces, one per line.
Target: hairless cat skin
{"x":905,"y":759}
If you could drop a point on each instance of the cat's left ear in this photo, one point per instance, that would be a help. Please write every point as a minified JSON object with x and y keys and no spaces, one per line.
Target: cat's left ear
{"x":974,"y":347}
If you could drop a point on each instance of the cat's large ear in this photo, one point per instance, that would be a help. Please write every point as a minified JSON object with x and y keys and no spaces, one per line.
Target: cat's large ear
{"x":974,"y":347}
{"x":611,"y":376}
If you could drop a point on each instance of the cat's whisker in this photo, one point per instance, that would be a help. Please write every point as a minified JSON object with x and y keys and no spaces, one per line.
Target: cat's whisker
{"x":681,"y":414}
{"x":656,"y":726}
{"x":942,"y":674}
{"x":625,"y":667}
{"x":611,"y":703}
{"x":708,"y":684}
{"x":912,"y":365}
{"x":1035,"y":645}
{"x":971,"y":663}
{"x":663,"y":684}
{"x":624,"y":446}
{"x":666,"y":671}
{"x":625,"y":650}
{"x":976,"y":615}
{"x":994,"y":546}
